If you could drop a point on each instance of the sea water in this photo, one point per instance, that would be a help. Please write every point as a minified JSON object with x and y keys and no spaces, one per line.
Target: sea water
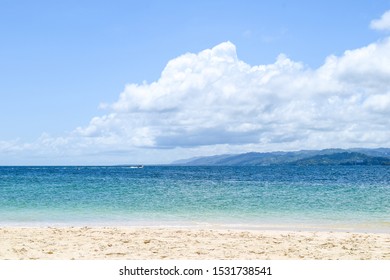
{"x":355,"y":198}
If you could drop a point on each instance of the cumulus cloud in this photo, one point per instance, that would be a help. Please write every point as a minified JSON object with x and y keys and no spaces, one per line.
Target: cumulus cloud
{"x":379,"y":103}
{"x":383,"y":23}
{"x":212,"y":102}
{"x":214,"y":98}
{"x":202,"y":99}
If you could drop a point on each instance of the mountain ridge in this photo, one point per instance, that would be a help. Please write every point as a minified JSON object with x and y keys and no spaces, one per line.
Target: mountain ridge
{"x":336,"y":156}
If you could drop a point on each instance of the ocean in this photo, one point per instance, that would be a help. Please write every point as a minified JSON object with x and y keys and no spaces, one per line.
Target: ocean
{"x":347,"y":198}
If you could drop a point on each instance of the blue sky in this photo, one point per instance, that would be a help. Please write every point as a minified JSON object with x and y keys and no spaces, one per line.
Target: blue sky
{"x":66,"y":67}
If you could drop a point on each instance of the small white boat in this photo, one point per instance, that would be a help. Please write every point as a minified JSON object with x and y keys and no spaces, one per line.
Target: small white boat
{"x":136,"y":166}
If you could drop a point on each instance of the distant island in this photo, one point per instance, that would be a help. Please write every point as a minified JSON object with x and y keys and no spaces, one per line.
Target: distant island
{"x":357,"y":156}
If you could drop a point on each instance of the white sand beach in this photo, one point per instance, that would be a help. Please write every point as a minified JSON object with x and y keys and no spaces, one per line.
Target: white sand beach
{"x":99,"y":243}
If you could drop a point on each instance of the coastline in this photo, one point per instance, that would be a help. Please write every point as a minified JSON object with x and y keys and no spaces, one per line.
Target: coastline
{"x":141,"y":243}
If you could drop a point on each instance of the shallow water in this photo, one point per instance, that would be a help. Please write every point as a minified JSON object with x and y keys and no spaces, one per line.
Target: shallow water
{"x":335,"y":197}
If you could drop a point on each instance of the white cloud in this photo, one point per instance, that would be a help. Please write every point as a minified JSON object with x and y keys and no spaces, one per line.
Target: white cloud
{"x":200,"y":99}
{"x":379,"y":103}
{"x":383,"y":23}
{"x":212,"y":102}
{"x":214,"y":98}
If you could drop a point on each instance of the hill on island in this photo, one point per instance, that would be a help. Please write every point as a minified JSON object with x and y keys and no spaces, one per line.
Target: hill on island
{"x":380,"y":156}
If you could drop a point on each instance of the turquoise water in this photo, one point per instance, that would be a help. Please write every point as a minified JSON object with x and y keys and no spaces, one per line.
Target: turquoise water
{"x":336,"y":197}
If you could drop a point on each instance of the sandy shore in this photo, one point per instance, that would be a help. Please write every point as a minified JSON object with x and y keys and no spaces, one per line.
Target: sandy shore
{"x":174,"y":243}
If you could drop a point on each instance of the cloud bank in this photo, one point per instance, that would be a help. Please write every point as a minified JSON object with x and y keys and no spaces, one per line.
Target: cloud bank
{"x":212,"y":102}
{"x":213,"y":98}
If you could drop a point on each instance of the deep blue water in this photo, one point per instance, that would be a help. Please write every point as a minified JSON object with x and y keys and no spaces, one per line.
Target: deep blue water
{"x":350,"y":197}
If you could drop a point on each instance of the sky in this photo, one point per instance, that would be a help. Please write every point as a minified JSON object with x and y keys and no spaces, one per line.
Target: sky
{"x":150,"y":82}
